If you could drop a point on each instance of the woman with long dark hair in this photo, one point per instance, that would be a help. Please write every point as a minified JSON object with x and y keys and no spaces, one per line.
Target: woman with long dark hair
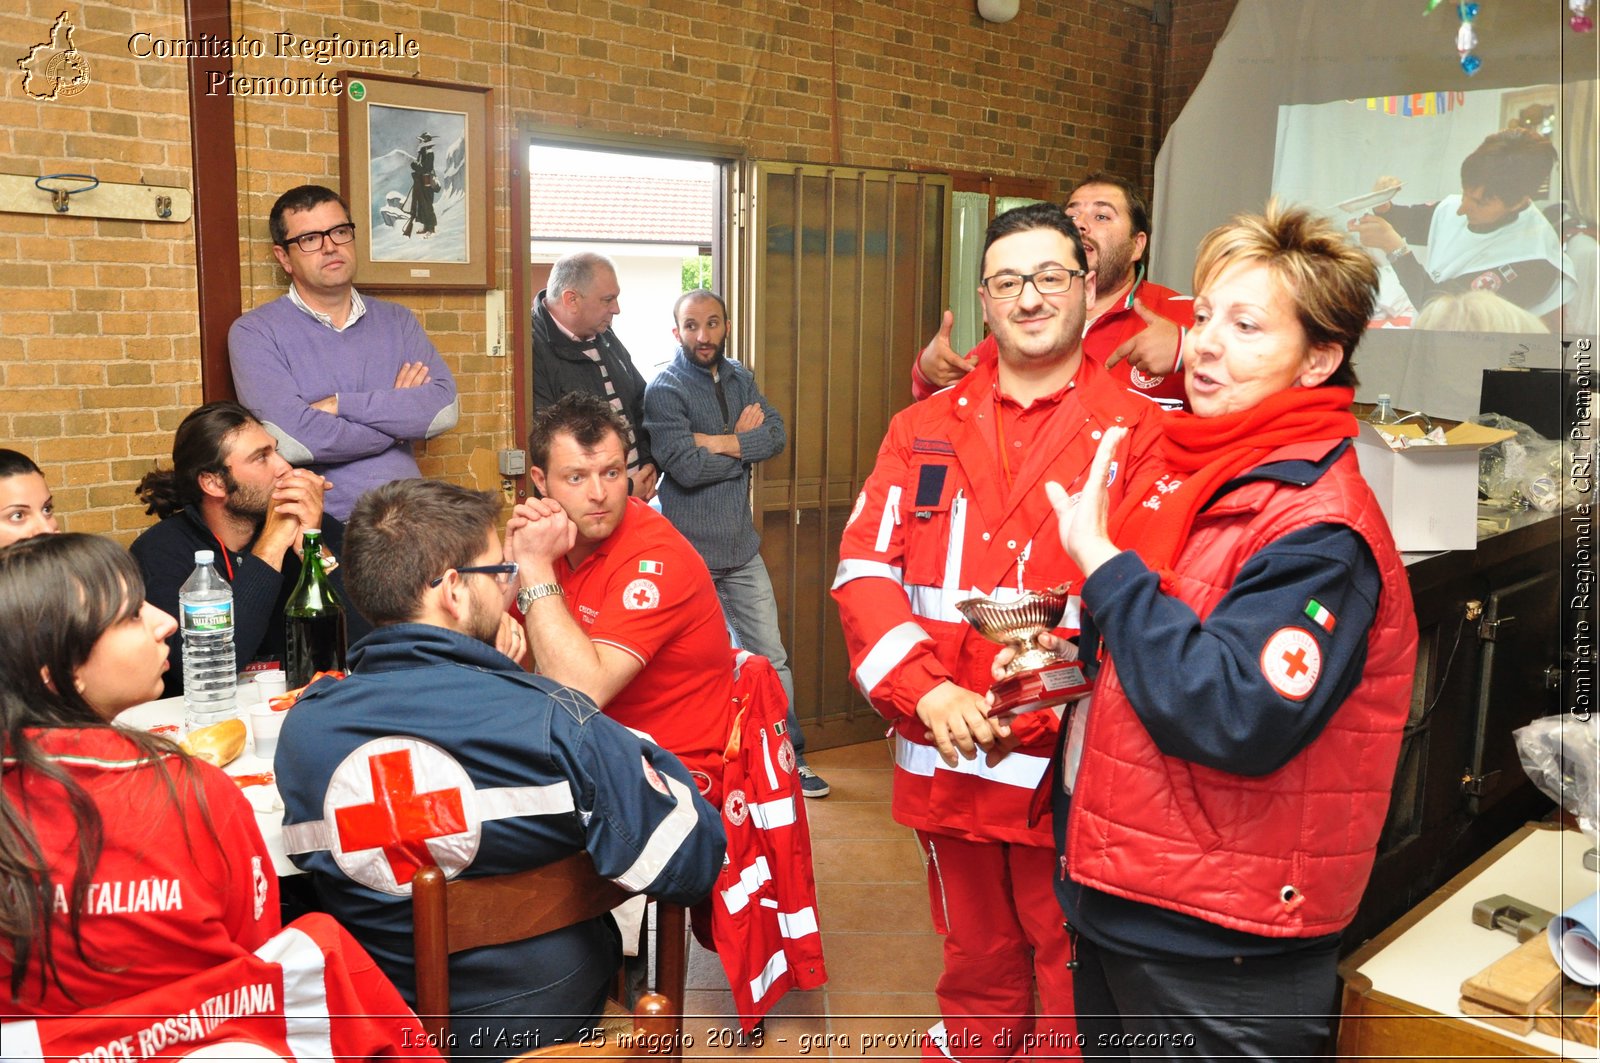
{"x":124,"y":864}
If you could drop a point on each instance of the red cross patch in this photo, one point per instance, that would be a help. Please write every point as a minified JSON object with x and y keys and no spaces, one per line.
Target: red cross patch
{"x":1142,"y":379}
{"x":736,"y":808}
{"x":396,"y":805}
{"x":641,"y":594}
{"x":1291,"y":661}
{"x":1489,"y":281}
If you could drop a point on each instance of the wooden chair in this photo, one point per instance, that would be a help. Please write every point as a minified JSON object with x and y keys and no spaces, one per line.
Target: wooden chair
{"x":468,"y":913}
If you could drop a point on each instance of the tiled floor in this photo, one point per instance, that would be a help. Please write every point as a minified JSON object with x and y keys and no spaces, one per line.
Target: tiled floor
{"x":882,"y":954}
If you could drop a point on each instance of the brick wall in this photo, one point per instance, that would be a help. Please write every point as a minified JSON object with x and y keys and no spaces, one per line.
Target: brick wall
{"x":98,"y":346}
{"x":99,"y":356}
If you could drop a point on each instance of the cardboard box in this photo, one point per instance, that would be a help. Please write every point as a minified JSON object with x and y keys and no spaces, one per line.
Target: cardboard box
{"x":1429,"y":493}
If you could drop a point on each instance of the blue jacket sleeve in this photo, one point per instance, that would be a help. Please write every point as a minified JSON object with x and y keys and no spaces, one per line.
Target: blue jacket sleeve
{"x":666,"y":416}
{"x":770,"y":438}
{"x":1201,"y":689}
{"x":645,"y":826}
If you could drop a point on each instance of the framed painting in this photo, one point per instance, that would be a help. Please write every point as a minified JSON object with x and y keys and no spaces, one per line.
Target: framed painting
{"x":414,"y":164}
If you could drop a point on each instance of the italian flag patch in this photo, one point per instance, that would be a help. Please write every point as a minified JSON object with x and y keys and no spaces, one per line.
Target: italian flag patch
{"x":1320,"y":615}
{"x":652,"y":568}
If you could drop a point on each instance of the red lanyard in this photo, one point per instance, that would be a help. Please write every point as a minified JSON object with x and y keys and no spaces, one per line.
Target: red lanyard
{"x":227,"y":559}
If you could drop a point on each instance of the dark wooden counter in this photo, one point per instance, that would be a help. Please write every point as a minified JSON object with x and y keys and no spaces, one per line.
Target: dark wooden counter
{"x":1489,"y":660}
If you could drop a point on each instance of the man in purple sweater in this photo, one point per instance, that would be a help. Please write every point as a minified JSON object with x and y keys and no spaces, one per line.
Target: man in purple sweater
{"x":344,"y":382}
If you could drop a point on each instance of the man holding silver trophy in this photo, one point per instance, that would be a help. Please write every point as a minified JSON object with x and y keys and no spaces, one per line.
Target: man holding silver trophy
{"x":951,"y":550}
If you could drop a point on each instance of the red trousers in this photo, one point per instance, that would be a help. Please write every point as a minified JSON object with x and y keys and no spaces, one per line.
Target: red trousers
{"x":1004,"y":941}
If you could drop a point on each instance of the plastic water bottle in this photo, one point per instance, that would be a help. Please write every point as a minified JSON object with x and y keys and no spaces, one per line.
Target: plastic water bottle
{"x":205,"y":607}
{"x":1383,"y":413}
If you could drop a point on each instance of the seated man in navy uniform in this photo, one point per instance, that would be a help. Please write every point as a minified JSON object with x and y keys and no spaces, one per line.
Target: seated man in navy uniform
{"x":438,"y":749}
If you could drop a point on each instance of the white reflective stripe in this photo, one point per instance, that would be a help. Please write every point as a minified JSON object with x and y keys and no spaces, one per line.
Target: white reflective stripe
{"x":21,"y":1041}
{"x":889,"y":651}
{"x":664,"y":841}
{"x":309,"y":837}
{"x":752,"y":878}
{"x":938,"y":1037}
{"x":855,"y":568}
{"x":772,"y":814}
{"x":1014,"y":769}
{"x":305,"y":997}
{"x":953,"y":554}
{"x":766,"y":760}
{"x":891,"y":517}
{"x":775,"y":969}
{"x":798,"y":924}
{"x":936,"y":603}
{"x":493,"y":802}
{"x":507,"y":802}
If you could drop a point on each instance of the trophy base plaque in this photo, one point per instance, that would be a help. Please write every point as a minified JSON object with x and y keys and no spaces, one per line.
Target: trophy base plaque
{"x":1039,"y":688}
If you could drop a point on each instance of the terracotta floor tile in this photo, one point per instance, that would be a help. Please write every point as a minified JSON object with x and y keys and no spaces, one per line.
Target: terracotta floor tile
{"x":852,"y":819}
{"x":885,"y":906}
{"x":853,"y":784}
{"x":883,"y":963}
{"x":860,"y":755}
{"x":895,"y":859}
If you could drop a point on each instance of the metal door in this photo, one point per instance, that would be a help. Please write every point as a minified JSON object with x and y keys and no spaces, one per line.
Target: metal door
{"x":842,"y":277}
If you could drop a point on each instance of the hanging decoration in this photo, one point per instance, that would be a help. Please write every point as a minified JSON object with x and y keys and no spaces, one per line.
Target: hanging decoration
{"x":1580,"y":21}
{"x":1467,"y":36}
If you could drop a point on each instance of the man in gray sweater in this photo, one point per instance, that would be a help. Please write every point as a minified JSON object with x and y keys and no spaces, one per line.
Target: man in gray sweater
{"x":708,"y":424}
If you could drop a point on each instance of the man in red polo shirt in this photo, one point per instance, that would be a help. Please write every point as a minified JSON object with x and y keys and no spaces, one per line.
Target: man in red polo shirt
{"x":617,"y":603}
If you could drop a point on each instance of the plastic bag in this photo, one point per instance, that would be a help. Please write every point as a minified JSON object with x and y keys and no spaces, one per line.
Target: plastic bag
{"x":1561,"y":754}
{"x":1526,"y":471}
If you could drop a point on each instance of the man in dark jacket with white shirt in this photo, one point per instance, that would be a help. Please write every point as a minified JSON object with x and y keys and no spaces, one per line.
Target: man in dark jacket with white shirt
{"x":574,"y":349}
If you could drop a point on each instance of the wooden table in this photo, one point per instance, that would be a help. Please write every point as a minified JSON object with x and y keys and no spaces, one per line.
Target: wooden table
{"x":167,"y":713}
{"x":1401,"y":989}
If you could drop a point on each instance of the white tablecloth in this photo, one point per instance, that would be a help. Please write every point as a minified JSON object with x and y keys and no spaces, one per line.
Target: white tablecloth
{"x":168,"y":713}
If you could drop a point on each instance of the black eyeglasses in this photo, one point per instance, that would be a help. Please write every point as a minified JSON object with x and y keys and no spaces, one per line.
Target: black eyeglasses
{"x":1045,"y":282}
{"x":311,"y":242}
{"x":503,"y":573}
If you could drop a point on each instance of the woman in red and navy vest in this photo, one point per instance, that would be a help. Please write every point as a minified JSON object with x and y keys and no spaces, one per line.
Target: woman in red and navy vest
{"x":1219,"y":810}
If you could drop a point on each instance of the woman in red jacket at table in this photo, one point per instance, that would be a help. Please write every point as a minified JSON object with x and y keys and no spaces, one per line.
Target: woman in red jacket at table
{"x":124,"y":864}
{"x":138,"y":904}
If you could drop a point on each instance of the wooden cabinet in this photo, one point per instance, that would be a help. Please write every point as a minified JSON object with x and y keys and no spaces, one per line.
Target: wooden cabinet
{"x":1489,"y":660}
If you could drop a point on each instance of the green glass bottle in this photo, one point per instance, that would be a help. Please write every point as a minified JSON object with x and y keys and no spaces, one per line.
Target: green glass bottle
{"x":314,"y":633}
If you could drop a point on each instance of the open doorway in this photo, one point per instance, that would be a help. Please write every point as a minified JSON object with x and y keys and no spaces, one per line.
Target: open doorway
{"x":657,"y":217}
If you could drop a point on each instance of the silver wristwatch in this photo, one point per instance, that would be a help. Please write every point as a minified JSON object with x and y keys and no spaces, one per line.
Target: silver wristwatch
{"x":526,"y":596}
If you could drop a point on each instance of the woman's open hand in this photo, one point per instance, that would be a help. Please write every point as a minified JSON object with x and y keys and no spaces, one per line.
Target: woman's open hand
{"x":1081,"y":518}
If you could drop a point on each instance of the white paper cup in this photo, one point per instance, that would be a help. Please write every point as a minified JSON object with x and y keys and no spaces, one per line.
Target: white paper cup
{"x":264,"y":727}
{"x":272,"y":683}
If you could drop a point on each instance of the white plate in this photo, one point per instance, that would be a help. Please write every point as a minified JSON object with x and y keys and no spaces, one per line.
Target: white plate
{"x":1368,"y":200}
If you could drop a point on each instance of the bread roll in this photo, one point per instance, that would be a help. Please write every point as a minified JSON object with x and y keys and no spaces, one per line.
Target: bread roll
{"x":216,"y":744}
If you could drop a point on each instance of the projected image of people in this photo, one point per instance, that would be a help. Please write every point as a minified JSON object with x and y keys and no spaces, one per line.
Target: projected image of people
{"x":1489,"y":237}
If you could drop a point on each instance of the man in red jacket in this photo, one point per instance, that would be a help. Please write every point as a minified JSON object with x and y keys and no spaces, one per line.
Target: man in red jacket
{"x":955,"y":508}
{"x":1135,"y":326}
